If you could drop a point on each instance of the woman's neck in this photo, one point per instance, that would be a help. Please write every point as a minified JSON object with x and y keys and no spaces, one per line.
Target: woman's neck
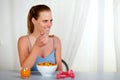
{"x":35,"y":34}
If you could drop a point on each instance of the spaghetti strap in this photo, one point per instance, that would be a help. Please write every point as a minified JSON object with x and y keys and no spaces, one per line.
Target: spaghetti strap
{"x":53,"y":42}
{"x":29,"y":43}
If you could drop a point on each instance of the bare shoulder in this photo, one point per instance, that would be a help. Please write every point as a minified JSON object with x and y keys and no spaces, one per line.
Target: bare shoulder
{"x":23,"y":40}
{"x":57,"y":42}
{"x":57,"y":39}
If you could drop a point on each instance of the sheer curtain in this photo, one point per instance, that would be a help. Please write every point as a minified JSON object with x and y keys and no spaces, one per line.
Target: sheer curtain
{"x":109,"y":48}
{"x":117,"y":31}
{"x":79,"y":15}
{"x":86,"y":54}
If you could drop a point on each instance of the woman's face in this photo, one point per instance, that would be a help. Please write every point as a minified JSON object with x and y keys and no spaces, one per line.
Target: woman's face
{"x":44,"y":22}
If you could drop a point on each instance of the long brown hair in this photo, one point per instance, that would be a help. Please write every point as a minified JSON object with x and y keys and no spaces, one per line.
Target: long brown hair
{"x":34,"y":13}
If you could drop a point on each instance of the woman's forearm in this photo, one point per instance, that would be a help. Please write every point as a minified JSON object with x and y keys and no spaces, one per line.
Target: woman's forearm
{"x":30,"y":60}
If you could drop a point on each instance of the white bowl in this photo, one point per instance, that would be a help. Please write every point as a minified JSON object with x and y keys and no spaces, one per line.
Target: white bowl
{"x":47,"y":70}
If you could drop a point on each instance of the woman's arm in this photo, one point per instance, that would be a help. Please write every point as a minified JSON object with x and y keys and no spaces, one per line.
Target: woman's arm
{"x":58,"y":53}
{"x":26,"y":59}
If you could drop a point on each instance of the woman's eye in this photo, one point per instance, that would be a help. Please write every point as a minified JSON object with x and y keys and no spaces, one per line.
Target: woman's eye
{"x":51,"y":20}
{"x":45,"y":20}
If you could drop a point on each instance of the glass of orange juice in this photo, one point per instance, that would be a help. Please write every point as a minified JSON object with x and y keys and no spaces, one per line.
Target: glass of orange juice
{"x":25,"y":72}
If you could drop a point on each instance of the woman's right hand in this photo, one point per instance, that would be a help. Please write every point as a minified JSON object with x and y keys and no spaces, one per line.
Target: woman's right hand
{"x":42,"y":39}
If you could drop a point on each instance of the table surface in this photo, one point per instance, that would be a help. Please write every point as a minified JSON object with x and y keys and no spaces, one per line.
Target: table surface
{"x":14,"y":75}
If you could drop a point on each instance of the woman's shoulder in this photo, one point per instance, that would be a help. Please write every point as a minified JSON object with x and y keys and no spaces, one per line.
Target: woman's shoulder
{"x":57,"y":42}
{"x":23,"y":44}
{"x":22,"y":39}
{"x":56,"y":38}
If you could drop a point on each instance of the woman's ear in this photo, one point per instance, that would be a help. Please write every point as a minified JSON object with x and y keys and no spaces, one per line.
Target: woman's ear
{"x":33,"y":20}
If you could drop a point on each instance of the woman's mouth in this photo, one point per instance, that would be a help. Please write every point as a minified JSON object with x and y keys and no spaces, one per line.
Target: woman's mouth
{"x":47,"y":31}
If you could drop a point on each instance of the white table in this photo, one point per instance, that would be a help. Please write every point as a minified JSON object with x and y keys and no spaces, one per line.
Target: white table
{"x":14,"y":75}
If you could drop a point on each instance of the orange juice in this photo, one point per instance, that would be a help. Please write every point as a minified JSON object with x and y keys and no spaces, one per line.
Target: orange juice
{"x":25,"y":72}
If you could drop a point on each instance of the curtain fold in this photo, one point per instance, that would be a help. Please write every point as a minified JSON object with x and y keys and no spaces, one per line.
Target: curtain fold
{"x":79,"y":20}
{"x":86,"y":54}
{"x":117,"y":32}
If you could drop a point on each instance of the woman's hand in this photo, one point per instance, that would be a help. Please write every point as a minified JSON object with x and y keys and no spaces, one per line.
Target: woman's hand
{"x":42,"y":39}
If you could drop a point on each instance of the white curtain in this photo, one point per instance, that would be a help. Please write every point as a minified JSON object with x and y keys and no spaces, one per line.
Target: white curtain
{"x":86,"y":54}
{"x":109,"y":47}
{"x":79,"y":14}
{"x":117,"y":32}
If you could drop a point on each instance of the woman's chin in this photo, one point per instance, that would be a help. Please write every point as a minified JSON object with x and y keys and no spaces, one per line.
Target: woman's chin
{"x":47,"y":33}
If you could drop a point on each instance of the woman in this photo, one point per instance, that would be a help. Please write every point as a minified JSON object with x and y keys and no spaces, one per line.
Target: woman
{"x":38,"y":45}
